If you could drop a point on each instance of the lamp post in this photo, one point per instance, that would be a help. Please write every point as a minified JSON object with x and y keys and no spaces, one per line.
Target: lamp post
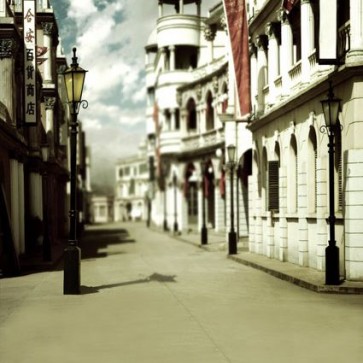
{"x":47,"y":253}
{"x":232,"y":237}
{"x":74,"y":80}
{"x":204,"y":231}
{"x":331,"y":110}
{"x":175,"y":204}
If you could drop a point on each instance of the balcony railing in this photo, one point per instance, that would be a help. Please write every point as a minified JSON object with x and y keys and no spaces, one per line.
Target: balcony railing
{"x":295,"y":74}
{"x":197,"y":141}
{"x":343,"y":40}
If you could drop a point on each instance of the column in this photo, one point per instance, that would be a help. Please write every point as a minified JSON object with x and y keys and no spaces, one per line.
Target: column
{"x":321,"y":210}
{"x":21,"y":208}
{"x":209,"y":35}
{"x":286,"y":54}
{"x":172,"y":58}
{"x":356,"y":32}
{"x":173,"y":121}
{"x":253,"y":70}
{"x":262,"y":81}
{"x":302,"y":212}
{"x":272,"y":31}
{"x":47,"y":64}
{"x":282,"y":213}
{"x":14,"y":178}
{"x":160,"y":6}
{"x":181,"y":6}
{"x":307,"y":37}
{"x":49,"y":122}
{"x":7,"y":90}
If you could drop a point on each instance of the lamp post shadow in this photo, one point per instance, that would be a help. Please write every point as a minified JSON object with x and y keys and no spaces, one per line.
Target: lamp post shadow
{"x":85,"y":290}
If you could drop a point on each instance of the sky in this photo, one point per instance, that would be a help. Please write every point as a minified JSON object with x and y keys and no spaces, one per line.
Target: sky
{"x":110,"y":36}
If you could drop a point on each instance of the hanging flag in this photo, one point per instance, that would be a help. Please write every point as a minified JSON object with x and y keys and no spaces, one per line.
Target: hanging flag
{"x":287,"y":5}
{"x":236,"y":13}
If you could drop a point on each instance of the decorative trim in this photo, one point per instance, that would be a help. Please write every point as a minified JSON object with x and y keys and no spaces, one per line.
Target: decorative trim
{"x":8,"y":48}
{"x":48,"y":28}
{"x":49,"y":103}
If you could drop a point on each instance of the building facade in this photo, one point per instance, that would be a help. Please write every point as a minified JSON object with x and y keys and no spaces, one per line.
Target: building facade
{"x":131,"y":190}
{"x":191,"y":116}
{"x":33,"y":114}
{"x":289,"y":186}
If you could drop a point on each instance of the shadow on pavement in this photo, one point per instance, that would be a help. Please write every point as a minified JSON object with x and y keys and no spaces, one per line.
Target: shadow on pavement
{"x":154,"y":277}
{"x":94,"y":240}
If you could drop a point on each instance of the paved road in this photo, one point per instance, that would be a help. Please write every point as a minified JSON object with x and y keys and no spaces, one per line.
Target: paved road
{"x":149,"y":298}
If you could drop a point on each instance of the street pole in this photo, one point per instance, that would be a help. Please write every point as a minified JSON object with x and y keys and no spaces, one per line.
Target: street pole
{"x":204,"y":231}
{"x":232,"y":238}
{"x":47,"y":252}
{"x":332,"y":276}
{"x":175,"y":205}
{"x":74,"y":80}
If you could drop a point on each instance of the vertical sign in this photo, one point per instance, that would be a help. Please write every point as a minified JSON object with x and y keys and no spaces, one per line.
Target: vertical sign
{"x":30,"y":81}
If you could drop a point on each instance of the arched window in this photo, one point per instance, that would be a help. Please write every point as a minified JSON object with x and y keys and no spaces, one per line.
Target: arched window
{"x":209,"y":112}
{"x":192,"y":115}
{"x":311,"y":171}
{"x":273,"y":180}
{"x":225,"y":100}
{"x":292,"y":177}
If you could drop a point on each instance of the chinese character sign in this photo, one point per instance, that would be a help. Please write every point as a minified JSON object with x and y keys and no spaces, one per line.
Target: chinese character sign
{"x":30,"y":62}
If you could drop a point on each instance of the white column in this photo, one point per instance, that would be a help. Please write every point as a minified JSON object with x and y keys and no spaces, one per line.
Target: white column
{"x":49,"y":122}
{"x":160,"y":6}
{"x":307,"y":37}
{"x":261,"y":43}
{"x":253,"y":70}
{"x":181,"y":6}
{"x":356,"y":31}
{"x":14,"y":177}
{"x":286,"y":54}
{"x":47,"y":64}
{"x":172,"y":57}
{"x":273,"y":59}
{"x":21,"y":208}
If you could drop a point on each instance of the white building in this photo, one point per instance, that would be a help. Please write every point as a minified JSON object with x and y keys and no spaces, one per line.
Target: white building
{"x":101,"y":209}
{"x":289,"y":189}
{"x":132,"y":176}
{"x":190,"y":113}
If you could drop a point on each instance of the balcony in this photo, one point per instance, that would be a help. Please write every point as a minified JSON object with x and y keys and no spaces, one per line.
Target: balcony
{"x":178,"y":29}
{"x":169,"y":142}
{"x":343,"y":40}
{"x":199,"y":141}
{"x":176,"y":77}
{"x":295,"y":75}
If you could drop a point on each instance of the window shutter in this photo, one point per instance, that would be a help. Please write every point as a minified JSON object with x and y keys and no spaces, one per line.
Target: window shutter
{"x":273,"y":185}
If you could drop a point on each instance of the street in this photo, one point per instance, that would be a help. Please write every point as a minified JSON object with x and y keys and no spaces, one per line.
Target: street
{"x":147,"y":297}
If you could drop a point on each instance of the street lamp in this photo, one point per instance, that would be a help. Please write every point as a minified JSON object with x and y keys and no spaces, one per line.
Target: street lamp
{"x":331,"y":109}
{"x":175,"y":205}
{"x":204,"y":231}
{"x":74,"y":80}
{"x":47,"y":253}
{"x":232,"y":237}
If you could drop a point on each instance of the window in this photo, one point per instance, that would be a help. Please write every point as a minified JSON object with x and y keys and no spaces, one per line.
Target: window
{"x":192,"y":116}
{"x":264,"y":178}
{"x":132,"y":187}
{"x":209,"y":113}
{"x":273,"y":185}
{"x":120,"y":172}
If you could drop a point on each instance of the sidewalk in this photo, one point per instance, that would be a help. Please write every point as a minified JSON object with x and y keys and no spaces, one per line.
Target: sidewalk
{"x":302,"y":276}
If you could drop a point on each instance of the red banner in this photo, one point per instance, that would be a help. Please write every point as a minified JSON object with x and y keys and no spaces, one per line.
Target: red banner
{"x":288,"y":4}
{"x":238,"y":33}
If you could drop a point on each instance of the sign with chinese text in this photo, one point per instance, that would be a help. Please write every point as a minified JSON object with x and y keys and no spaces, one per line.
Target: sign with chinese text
{"x":30,"y":81}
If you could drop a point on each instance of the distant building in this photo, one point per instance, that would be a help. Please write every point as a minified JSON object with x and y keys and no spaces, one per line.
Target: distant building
{"x":191,"y":113}
{"x":101,"y":209}
{"x":130,"y":202}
